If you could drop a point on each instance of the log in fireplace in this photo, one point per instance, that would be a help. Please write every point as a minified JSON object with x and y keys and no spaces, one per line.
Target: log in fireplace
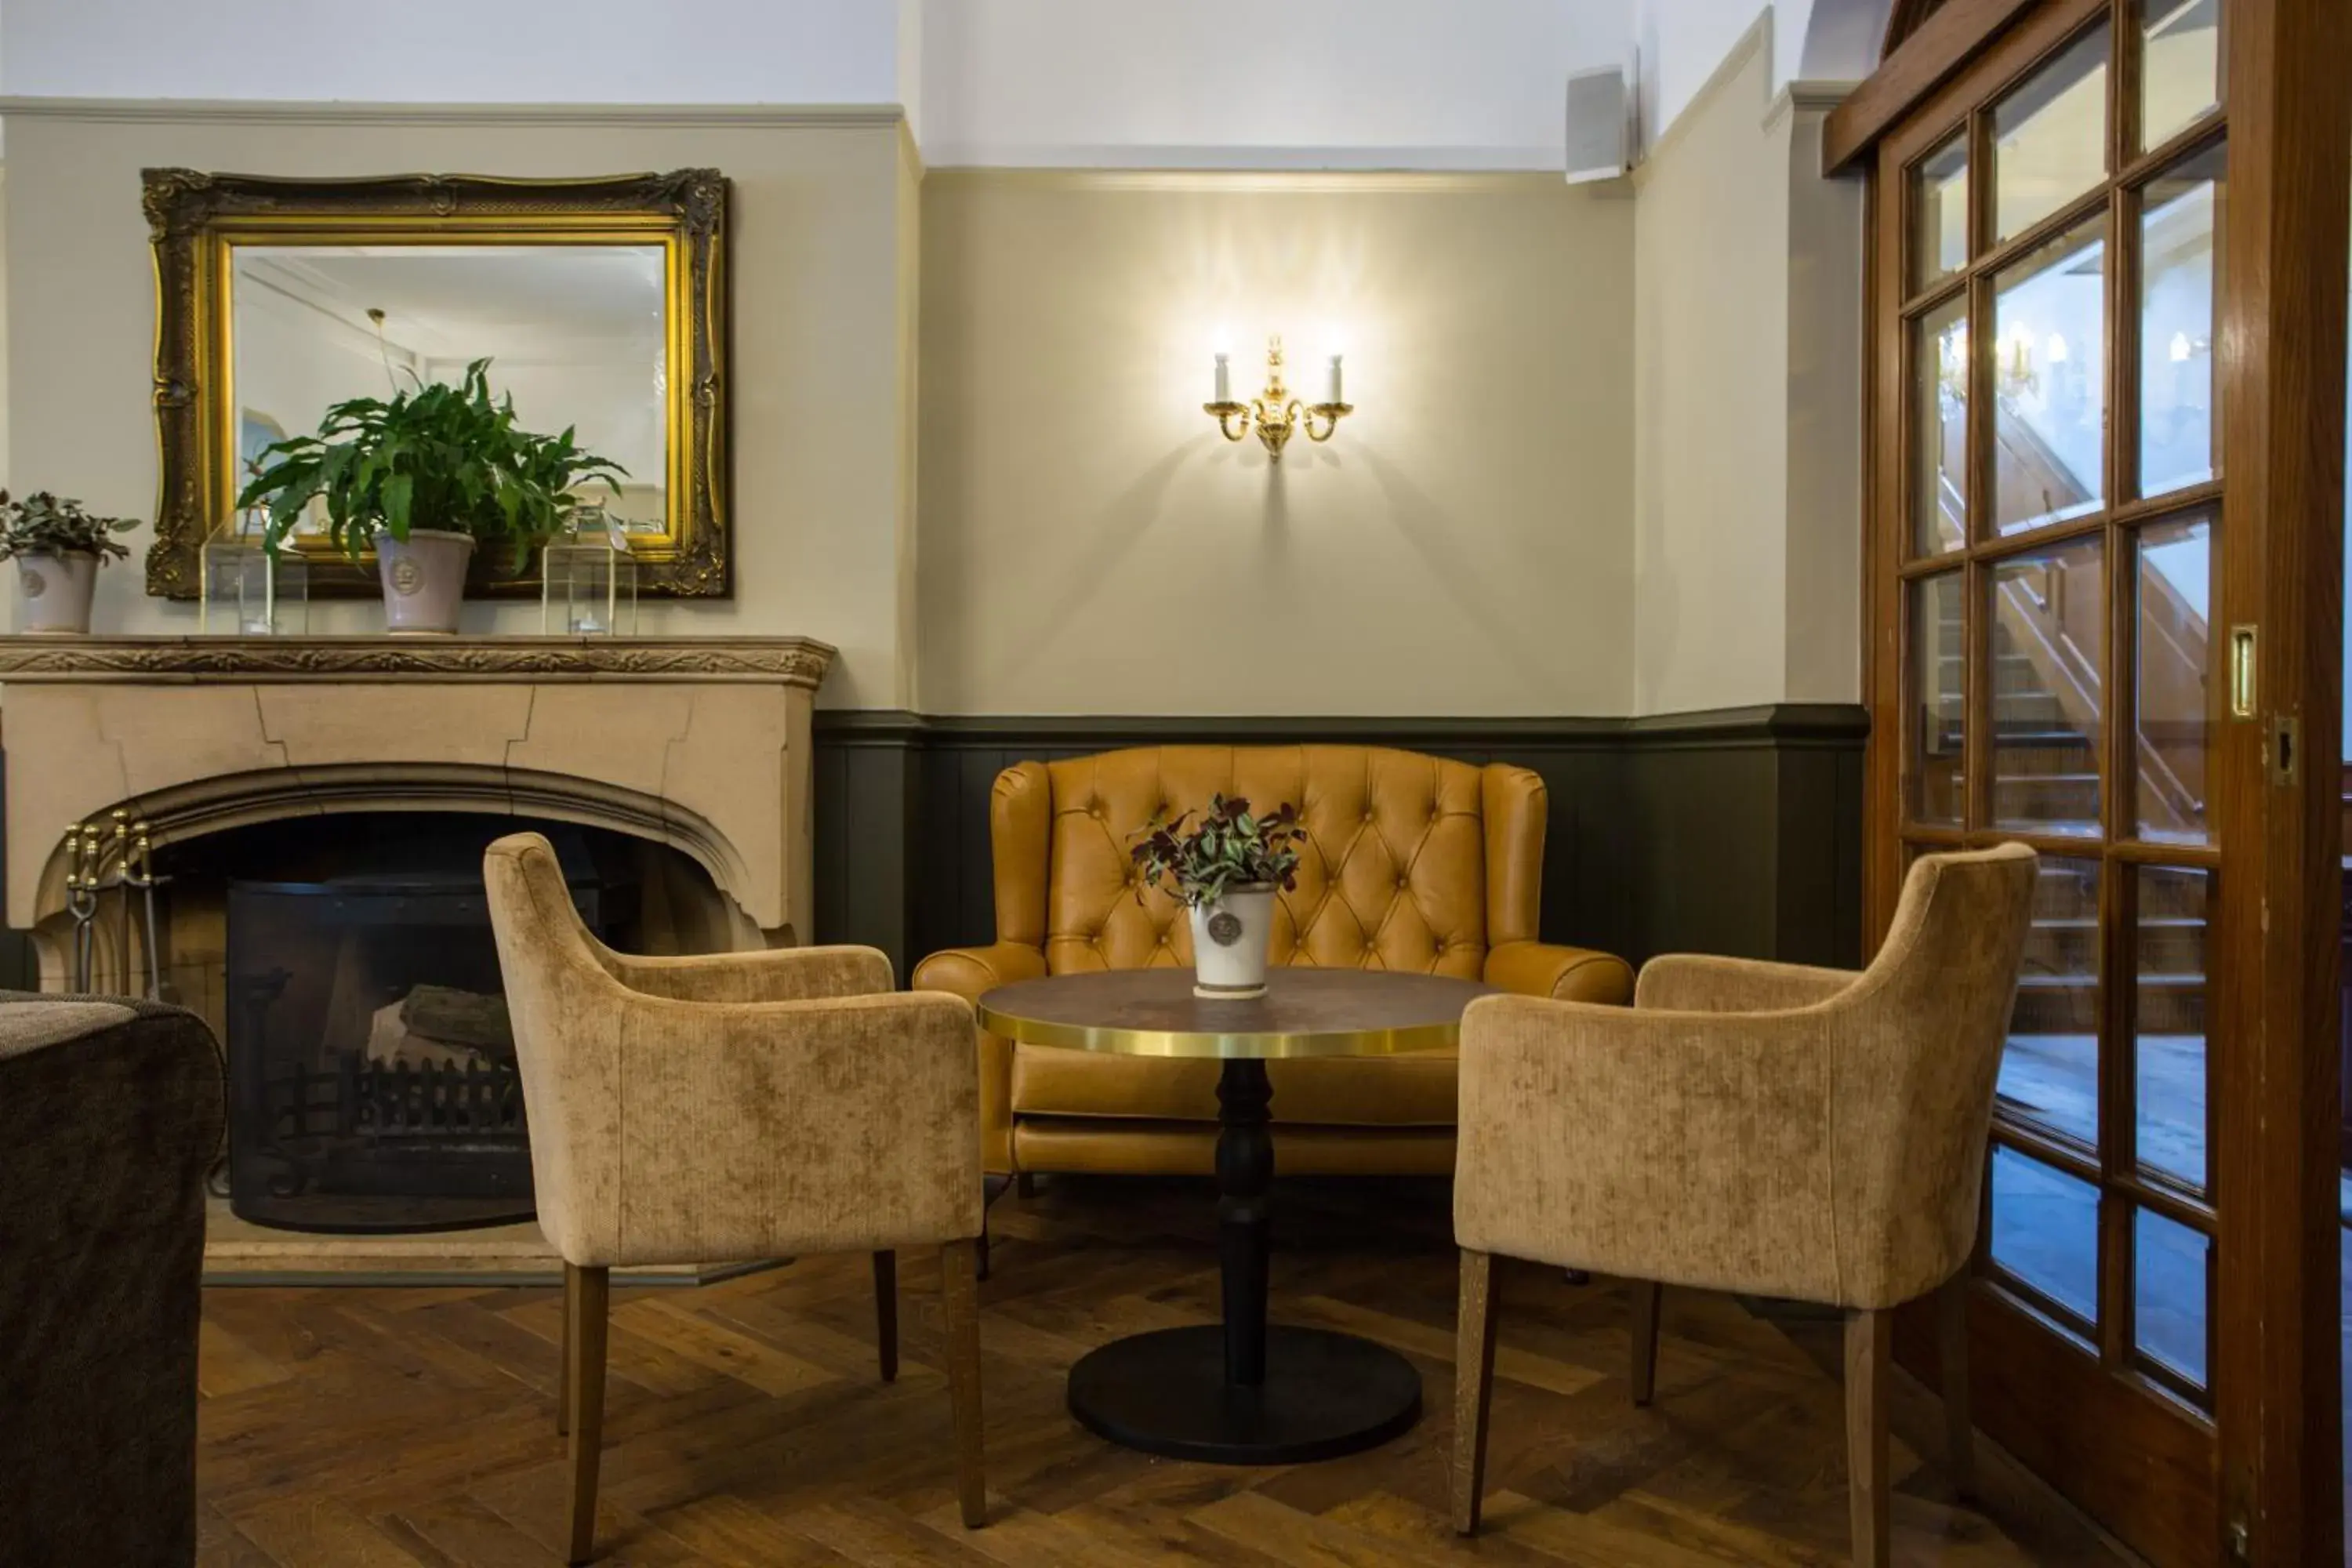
{"x":372,"y":1067}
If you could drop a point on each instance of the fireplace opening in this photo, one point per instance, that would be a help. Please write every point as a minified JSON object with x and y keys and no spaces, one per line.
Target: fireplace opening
{"x":372,"y":1067}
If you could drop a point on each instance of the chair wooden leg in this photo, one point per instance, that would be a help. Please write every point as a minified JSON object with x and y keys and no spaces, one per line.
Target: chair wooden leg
{"x":886,"y":1312}
{"x":992,"y":1187}
{"x":1645,"y":1373}
{"x":1868,"y":1336}
{"x":564,"y":1365}
{"x":960,"y":1302}
{"x":587,"y":1297}
{"x":1960,"y":1431}
{"x":1474,"y":1384}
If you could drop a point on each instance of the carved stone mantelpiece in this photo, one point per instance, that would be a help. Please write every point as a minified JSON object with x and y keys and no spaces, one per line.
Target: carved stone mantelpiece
{"x":792,"y":661}
{"x":700,"y":743}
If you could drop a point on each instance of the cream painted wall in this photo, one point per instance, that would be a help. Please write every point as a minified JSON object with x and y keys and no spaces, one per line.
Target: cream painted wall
{"x":1823,"y":417}
{"x":823,"y":233}
{"x":1710,"y":386}
{"x":1308,"y":84}
{"x":1747,"y":387}
{"x":1091,"y":544}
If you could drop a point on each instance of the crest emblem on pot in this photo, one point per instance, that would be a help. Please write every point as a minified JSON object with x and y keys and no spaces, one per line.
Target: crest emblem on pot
{"x":1224,"y":928}
{"x":33,"y":584}
{"x":406,"y":576}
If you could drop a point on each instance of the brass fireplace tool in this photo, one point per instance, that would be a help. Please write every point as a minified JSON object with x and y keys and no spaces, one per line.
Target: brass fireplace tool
{"x":119,"y":855}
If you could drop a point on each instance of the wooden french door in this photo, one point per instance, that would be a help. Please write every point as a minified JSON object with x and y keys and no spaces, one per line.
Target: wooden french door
{"x":2085,"y":634}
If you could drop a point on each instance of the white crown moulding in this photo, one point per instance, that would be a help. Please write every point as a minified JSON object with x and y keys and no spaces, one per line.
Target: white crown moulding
{"x":818,"y":116}
{"x":1108,"y":158}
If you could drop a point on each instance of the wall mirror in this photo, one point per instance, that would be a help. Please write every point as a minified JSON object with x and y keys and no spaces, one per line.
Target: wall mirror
{"x":600,"y":303}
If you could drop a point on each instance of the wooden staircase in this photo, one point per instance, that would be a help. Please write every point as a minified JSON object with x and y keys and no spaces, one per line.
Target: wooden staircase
{"x":2049,"y":703}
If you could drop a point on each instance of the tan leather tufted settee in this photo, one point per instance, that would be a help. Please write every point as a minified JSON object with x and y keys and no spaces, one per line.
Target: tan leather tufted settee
{"x":1410,"y":863}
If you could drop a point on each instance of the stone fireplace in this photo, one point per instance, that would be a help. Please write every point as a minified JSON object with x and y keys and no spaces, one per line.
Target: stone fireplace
{"x":274,"y":762}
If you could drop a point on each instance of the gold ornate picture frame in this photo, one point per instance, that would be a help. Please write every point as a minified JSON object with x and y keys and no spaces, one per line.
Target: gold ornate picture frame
{"x":195,"y":221}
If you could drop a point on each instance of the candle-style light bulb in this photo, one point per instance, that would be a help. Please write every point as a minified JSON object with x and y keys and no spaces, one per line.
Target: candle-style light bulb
{"x":1331,"y":382}
{"x":1222,"y":347}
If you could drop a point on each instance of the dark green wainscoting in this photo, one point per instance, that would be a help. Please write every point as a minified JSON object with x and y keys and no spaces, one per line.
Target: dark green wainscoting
{"x":1736,"y":831}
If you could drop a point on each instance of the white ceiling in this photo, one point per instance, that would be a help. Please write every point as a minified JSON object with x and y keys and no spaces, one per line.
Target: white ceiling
{"x":1305,"y":83}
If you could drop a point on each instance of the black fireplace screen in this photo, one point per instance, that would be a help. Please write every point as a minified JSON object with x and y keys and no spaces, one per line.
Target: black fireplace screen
{"x":372,"y":1064}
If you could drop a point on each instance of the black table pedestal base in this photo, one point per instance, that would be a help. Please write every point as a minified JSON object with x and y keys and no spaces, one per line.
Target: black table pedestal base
{"x":1323,"y":1395}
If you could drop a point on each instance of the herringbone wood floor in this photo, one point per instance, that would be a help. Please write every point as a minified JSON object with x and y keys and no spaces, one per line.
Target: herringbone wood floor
{"x":747,"y":1425}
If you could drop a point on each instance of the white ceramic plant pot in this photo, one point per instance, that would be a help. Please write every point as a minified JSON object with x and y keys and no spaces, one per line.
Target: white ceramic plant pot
{"x":1229,"y":943}
{"x":424,"y":579}
{"x":53,"y":593}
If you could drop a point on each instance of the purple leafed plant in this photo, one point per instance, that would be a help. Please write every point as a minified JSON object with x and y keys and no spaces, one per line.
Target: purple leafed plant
{"x":1230,"y":848}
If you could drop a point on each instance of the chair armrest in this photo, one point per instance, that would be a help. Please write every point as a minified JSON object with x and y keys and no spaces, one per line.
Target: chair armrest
{"x":1692,"y":1149}
{"x":712,"y":1131}
{"x":772,"y":974}
{"x":1562,"y":974}
{"x":1690,"y":982}
{"x":971,"y":973}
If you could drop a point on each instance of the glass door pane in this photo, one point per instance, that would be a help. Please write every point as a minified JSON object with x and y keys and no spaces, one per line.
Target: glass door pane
{"x":1939,"y":440}
{"x":2169,"y":1037}
{"x":2172,"y":667}
{"x":2049,"y":381}
{"x":1935,"y":704}
{"x":2180,"y":66}
{"x":2049,"y":1071}
{"x":2050,"y":136}
{"x":2172,"y":1291}
{"x":2179,"y":214}
{"x":2048,"y":620}
{"x":1939,"y":213}
{"x":2045,"y":1232}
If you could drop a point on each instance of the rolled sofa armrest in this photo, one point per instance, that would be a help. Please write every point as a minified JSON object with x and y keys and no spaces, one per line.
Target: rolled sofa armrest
{"x":774,"y":975}
{"x":1692,"y":983}
{"x":1559,"y":974}
{"x":971,"y":973}
{"x":1692,"y":1149}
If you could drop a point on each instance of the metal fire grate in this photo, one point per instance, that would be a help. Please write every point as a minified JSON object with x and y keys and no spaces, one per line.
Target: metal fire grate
{"x":374,"y":1083}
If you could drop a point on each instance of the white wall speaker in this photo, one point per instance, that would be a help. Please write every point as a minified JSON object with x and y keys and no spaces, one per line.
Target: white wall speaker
{"x":1600,"y":125}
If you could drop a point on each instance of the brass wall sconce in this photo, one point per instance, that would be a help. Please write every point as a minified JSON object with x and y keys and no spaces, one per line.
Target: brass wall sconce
{"x":1274,"y":413}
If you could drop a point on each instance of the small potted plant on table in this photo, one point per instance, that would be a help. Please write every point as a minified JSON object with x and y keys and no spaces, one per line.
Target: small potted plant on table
{"x":1225,"y":871}
{"x":421,"y":480}
{"x":58,"y":548}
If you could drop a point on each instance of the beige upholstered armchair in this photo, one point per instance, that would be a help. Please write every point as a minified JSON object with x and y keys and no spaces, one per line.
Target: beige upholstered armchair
{"x":1805,"y":1133}
{"x":740,"y":1106}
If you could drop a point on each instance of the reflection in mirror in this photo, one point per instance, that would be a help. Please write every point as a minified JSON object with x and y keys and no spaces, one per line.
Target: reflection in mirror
{"x":574,"y":335}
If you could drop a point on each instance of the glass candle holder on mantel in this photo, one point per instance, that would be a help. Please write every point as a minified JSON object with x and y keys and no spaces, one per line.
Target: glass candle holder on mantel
{"x":248,"y":591}
{"x":588,"y":578}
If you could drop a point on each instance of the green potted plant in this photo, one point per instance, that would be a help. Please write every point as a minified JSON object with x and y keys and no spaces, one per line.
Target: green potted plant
{"x":58,"y":547}
{"x":1225,"y":872}
{"x":422,"y":480}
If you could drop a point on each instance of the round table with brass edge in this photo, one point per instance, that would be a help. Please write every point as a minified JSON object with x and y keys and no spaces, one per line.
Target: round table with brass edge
{"x":1241,"y":1393}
